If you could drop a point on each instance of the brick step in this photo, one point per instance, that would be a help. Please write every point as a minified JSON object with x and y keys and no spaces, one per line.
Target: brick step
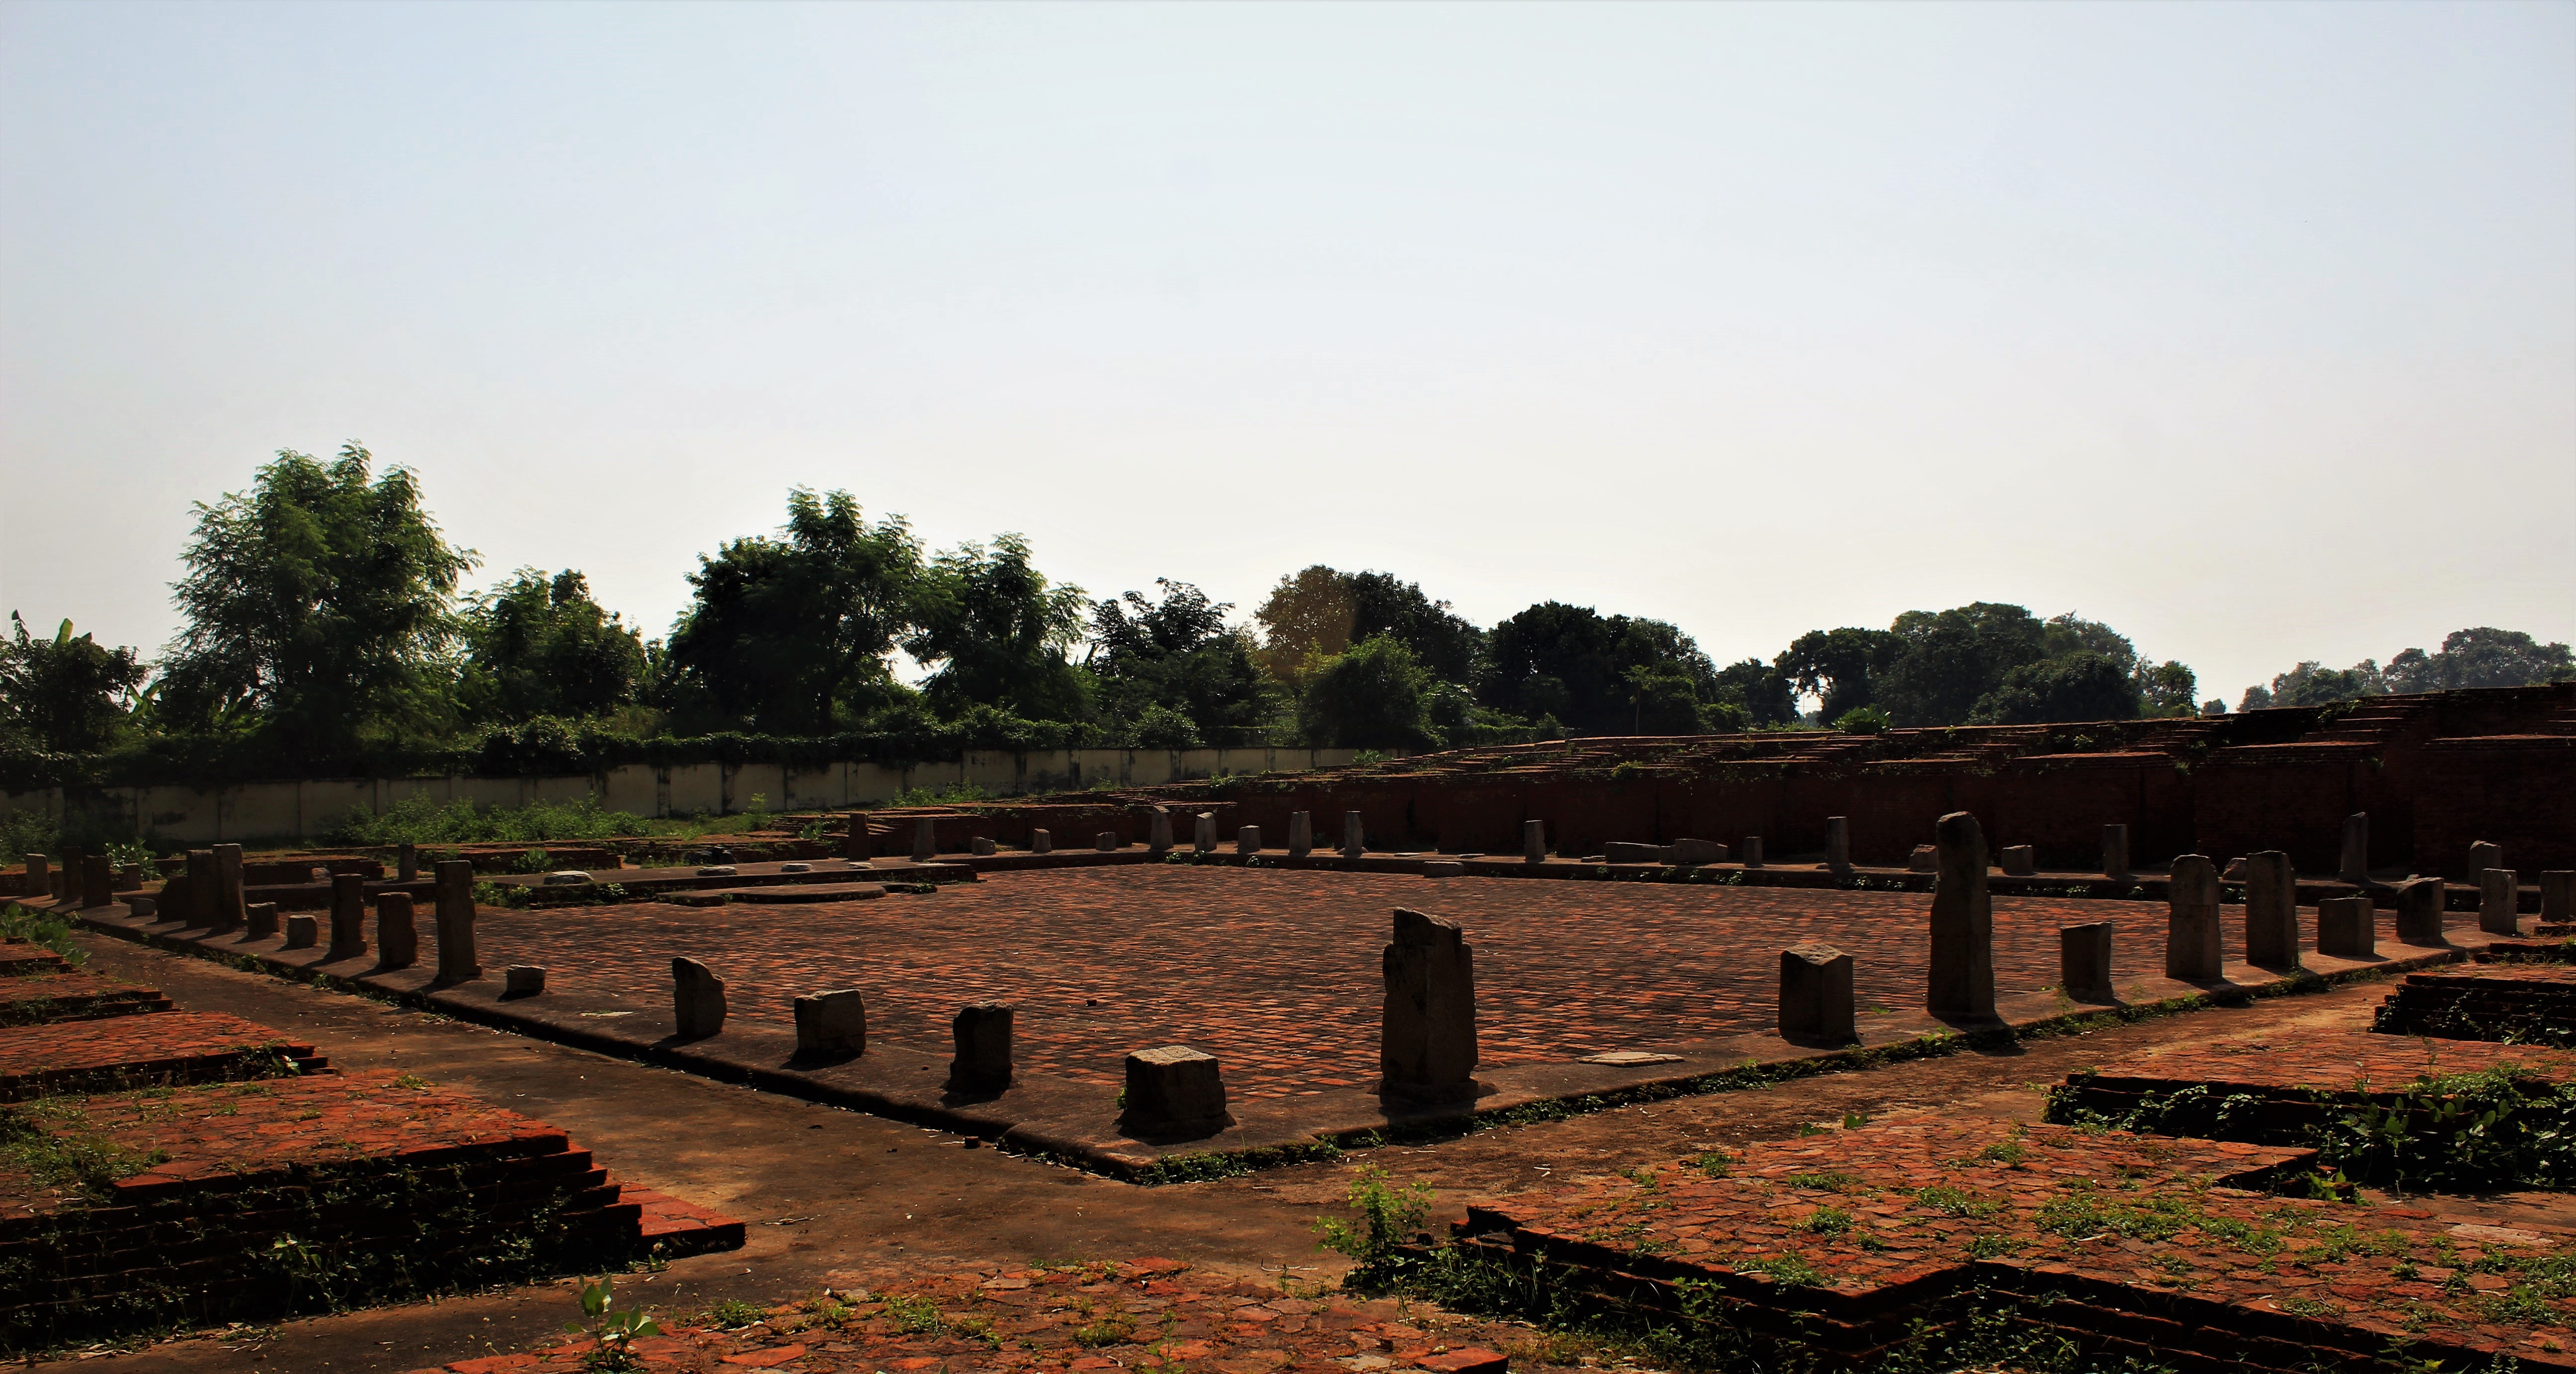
{"x":72,"y":995}
{"x":2511,"y":1002}
{"x":127,"y":1052}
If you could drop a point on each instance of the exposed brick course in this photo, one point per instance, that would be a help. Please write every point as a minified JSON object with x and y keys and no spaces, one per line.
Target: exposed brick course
{"x":72,"y":995}
{"x":133,"y":1051}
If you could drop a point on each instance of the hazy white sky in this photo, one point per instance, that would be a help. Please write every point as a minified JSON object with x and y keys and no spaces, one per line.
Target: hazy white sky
{"x":2250,"y":329}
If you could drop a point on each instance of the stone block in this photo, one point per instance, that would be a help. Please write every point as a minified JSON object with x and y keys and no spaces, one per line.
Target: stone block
{"x":1534,"y":842}
{"x":303,"y":930}
{"x":783,"y":868}
{"x":454,"y":919}
{"x":1301,"y":834}
{"x":522,"y":980}
{"x":2018,"y":860}
{"x":1752,"y":851}
{"x":2235,"y":870}
{"x":981,"y":846}
{"x":925,"y":840}
{"x":407,"y":863}
{"x":1816,"y":995}
{"x":2347,"y":927}
{"x":982,"y":1033}
{"x":1693,"y":853}
{"x":832,"y":1025}
{"x":259,"y":920}
{"x":697,"y":1000}
{"x":2271,"y":911}
{"x":1627,"y":852}
{"x":2483,"y":855}
{"x":2084,"y":962}
{"x":566,"y":877}
{"x":1174,"y":1093}
{"x":2499,"y":902}
{"x":397,"y":938}
{"x":1247,"y":841}
{"x":2419,"y":911}
{"x":1925,"y":859}
{"x":1106,"y":841}
{"x":1427,"y":1030}
{"x":40,"y":875}
{"x":64,"y":885}
{"x":1354,"y":835}
{"x":1203,"y":833}
{"x":228,"y":912}
{"x":2558,"y":895}
{"x":1443,"y":868}
{"x":1041,"y":842}
{"x":98,"y":880}
{"x":202,"y":889}
{"x":348,"y":917}
{"x":1962,"y":984}
{"x":2354,"y":864}
{"x":2194,"y":947}
{"x":2115,"y":851}
{"x":1837,"y":844}
{"x":1161,"y":831}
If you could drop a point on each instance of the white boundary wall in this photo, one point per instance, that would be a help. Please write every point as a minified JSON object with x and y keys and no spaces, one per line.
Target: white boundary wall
{"x":304,"y":809}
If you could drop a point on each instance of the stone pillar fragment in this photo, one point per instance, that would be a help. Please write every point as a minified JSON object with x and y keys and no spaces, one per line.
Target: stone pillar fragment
{"x":2194,"y":949}
{"x":2499,"y":902}
{"x":831,"y":1025}
{"x":259,"y":920}
{"x":303,"y":931}
{"x":1427,"y":1033}
{"x":2115,"y":851}
{"x":982,"y":1031}
{"x":2558,"y":895}
{"x":981,"y":846}
{"x":1354,"y":835}
{"x":40,"y":876}
{"x":2348,"y":927}
{"x":1816,"y":995}
{"x":348,"y":918}
{"x":2019,"y":860}
{"x":2419,"y":911}
{"x":2483,"y":855}
{"x":1693,"y":853}
{"x":1837,"y":844}
{"x":697,"y":999}
{"x":64,"y":886}
{"x":1752,"y":851}
{"x":1301,"y":834}
{"x":98,"y":880}
{"x":1534,"y":842}
{"x":925,"y":840}
{"x":407,"y":863}
{"x":2271,"y":911}
{"x":1203,"y":833}
{"x":1106,"y":841}
{"x":454,"y":918}
{"x":1161,"y":843}
{"x":1962,"y":984}
{"x":1174,"y":1093}
{"x":397,"y":938}
{"x":201,"y":889}
{"x":2354,"y":865}
{"x":2084,"y":962}
{"x":228,"y":912}
{"x":1041,"y":842}
{"x":1247,"y":841}
{"x":522,"y":980}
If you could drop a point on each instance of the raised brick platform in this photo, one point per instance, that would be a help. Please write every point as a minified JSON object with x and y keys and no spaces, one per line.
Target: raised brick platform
{"x":125,"y":1052}
{"x":1836,"y":1246}
{"x":1145,"y":1314}
{"x":2525,"y":1002}
{"x":21,"y":957}
{"x":72,"y":995}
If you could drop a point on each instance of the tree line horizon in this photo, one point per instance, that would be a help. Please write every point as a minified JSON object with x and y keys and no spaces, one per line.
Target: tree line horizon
{"x":323,"y":621}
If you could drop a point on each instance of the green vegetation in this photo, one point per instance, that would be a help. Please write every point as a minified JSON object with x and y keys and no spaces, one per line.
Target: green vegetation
{"x":1384,"y":1220}
{"x":2483,"y":656}
{"x":612,"y":1331}
{"x":20,"y":922}
{"x":419,"y":819}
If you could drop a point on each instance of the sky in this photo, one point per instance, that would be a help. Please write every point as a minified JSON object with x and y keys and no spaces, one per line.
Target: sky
{"x":2249,"y":329}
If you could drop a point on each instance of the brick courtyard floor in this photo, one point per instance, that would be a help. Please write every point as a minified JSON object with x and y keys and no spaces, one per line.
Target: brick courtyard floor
{"x":1277,"y":972}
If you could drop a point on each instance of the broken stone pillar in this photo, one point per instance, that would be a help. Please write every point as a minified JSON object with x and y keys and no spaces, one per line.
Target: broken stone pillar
{"x":348,"y":917}
{"x":982,"y":1031}
{"x":1816,"y":995}
{"x":1041,"y":842}
{"x":454,"y":918}
{"x":200,"y":910}
{"x":1837,"y":844}
{"x":1926,"y":858}
{"x":829,"y":1025}
{"x":397,"y":939}
{"x":407,"y":863}
{"x":2194,"y":948}
{"x":2271,"y":911}
{"x":1354,"y":835}
{"x":1247,"y":841}
{"x":1203,"y":833}
{"x":2019,"y":860}
{"x":1301,"y":834}
{"x":1963,"y":924}
{"x":2419,"y":911}
{"x":1534,"y":842}
{"x":2558,"y":895}
{"x":1105,"y":841}
{"x":2499,"y":902}
{"x":2084,"y":962}
{"x":697,"y":999}
{"x":1630,"y":852}
{"x":522,"y":980}
{"x":1173,"y":1093}
{"x":2347,"y":927}
{"x":228,"y":911}
{"x":259,"y":920}
{"x":2354,"y":866}
{"x":1752,"y":851}
{"x":64,"y":886}
{"x":925,"y":841}
{"x":98,"y":880}
{"x":2115,"y":851}
{"x":1427,"y":1033}
{"x":40,"y":876}
{"x":1161,"y":843}
{"x":302,"y":931}
{"x":1693,"y":853}
{"x":982,"y":847}
{"x":2483,"y":855}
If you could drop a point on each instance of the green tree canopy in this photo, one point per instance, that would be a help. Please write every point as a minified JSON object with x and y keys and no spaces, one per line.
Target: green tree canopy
{"x":1376,"y":695}
{"x":1178,"y":654}
{"x":1591,"y":672}
{"x":65,"y":694}
{"x":2081,"y":685}
{"x":2483,"y":656}
{"x":1318,"y":612}
{"x":540,"y":646}
{"x":1759,"y":690}
{"x":1949,"y":659}
{"x":999,"y":634}
{"x":790,"y":635}
{"x":317,"y":607}
{"x":1841,"y":666}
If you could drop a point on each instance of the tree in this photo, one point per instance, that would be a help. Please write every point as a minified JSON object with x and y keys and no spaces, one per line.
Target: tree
{"x":1000,"y":634}
{"x":317,"y":606}
{"x":1758,"y":690}
{"x":2480,"y":657}
{"x":1179,"y":654}
{"x":1837,"y":665}
{"x":1318,"y":612}
{"x":2082,"y":685}
{"x":539,"y":646}
{"x":66,"y":694}
{"x":1950,"y":659}
{"x":1582,"y":668}
{"x":2164,"y":689}
{"x":2313,"y":684}
{"x":1373,"y":696}
{"x":791,"y":635}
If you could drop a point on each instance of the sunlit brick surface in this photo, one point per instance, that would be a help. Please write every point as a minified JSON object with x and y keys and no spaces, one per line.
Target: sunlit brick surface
{"x":1276,"y":972}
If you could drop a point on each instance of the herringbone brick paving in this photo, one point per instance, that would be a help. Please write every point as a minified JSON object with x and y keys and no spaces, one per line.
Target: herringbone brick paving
{"x":1276,"y":972}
